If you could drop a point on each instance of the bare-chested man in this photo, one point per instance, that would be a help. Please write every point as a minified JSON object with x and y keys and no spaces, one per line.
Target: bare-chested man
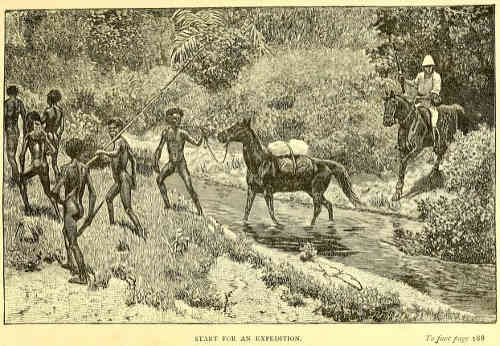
{"x":12,"y":108}
{"x":124,"y":181}
{"x":38,"y":143}
{"x":175,"y":138}
{"x":53,"y":122}
{"x":75,"y":176}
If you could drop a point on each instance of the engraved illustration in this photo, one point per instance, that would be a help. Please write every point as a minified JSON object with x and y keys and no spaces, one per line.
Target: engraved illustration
{"x":250,"y":165}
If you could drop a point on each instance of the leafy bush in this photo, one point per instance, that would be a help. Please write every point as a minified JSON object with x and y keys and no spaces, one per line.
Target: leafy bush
{"x":470,"y":167}
{"x":463,"y":228}
{"x":460,"y":229}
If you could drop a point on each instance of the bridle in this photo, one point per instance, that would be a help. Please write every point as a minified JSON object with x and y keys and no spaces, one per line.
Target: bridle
{"x":212,"y":153}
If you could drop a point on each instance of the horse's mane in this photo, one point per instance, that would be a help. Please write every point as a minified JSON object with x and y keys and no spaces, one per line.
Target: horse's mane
{"x":259,"y":142}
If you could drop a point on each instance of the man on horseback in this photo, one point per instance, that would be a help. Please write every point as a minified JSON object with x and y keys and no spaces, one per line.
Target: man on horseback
{"x":428,"y":85}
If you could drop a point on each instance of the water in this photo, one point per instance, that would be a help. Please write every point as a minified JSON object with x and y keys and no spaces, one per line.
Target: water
{"x":358,"y":239}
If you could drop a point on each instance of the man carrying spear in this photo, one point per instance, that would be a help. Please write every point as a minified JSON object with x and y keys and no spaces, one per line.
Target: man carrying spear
{"x":125,"y":182}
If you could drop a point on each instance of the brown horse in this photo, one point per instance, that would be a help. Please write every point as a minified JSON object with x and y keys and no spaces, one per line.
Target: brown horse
{"x":268,"y":174}
{"x":415,"y":131}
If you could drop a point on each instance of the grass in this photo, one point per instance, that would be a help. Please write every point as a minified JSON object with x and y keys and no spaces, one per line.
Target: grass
{"x":180,"y":251}
{"x":181,"y":243}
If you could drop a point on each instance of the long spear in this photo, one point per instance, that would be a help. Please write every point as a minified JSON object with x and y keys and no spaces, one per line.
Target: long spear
{"x":148,"y":104}
{"x":151,"y":101}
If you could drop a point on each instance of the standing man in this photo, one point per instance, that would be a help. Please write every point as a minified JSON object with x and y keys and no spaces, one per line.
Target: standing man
{"x":38,"y":143}
{"x":75,"y":176}
{"x":175,"y":138}
{"x":12,"y":108}
{"x":428,"y":85}
{"x":53,"y":122}
{"x":124,"y":182}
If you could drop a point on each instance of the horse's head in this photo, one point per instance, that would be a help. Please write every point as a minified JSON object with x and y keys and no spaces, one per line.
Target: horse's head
{"x":236,"y":133}
{"x":390,"y":108}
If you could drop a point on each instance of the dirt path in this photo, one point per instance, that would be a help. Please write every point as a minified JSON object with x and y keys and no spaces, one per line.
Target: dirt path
{"x":45,"y":296}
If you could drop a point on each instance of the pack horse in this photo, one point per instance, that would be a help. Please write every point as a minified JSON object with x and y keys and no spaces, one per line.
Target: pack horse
{"x":268,"y":174}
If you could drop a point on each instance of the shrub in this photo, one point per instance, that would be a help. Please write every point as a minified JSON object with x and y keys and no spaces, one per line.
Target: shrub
{"x":460,"y":229}
{"x":463,"y":228}
{"x":470,"y":167}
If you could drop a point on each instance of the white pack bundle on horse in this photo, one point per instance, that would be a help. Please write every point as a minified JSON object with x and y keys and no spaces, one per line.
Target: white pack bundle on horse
{"x":293,"y":146}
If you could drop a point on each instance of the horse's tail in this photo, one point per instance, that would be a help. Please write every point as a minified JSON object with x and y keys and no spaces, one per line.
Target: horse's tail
{"x":465,"y":121}
{"x":343,"y":179}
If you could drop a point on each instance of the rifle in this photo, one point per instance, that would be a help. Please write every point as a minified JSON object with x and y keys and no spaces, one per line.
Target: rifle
{"x":400,"y":70}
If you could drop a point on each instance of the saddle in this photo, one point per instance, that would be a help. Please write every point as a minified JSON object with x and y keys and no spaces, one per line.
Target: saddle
{"x":426,"y":114}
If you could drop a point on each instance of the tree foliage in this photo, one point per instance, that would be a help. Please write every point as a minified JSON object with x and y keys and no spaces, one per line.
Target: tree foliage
{"x":461,"y":40}
{"x":216,"y":51}
{"x":313,"y":27}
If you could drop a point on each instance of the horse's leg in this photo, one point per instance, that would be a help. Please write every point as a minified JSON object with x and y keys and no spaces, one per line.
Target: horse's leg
{"x":319,"y":185}
{"x":328,"y":205}
{"x":416,"y":143}
{"x":403,"y":162}
{"x":268,"y":196}
{"x":250,"y":198}
{"x":317,"y":200}
{"x":439,"y":157}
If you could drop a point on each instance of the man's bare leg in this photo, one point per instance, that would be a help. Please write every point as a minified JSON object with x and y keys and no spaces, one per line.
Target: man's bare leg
{"x":45,"y":181}
{"x":24,"y":177}
{"x":184,"y":173}
{"x":71,"y":231}
{"x":110,"y":196}
{"x":126,"y":198}
{"x":70,"y":260}
{"x":166,"y":171}
{"x":12,"y":141}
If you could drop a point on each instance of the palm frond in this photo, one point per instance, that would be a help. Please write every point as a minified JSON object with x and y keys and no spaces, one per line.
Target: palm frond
{"x":194,"y":30}
{"x":187,"y":47}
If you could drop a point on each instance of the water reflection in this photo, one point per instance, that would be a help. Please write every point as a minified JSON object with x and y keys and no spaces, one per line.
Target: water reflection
{"x":362,"y":240}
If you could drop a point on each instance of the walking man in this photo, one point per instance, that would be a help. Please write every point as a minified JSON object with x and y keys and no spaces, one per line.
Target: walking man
{"x":124,"y":182}
{"x":75,"y":177}
{"x":37,"y":141}
{"x":175,"y":138}
{"x":12,"y":108}
{"x":53,"y":122}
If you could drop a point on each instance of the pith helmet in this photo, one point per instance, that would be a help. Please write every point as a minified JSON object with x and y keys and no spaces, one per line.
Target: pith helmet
{"x":428,"y":61}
